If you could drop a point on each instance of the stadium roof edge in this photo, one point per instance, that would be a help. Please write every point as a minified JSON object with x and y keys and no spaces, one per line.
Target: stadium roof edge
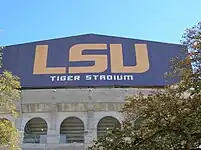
{"x":92,"y":34}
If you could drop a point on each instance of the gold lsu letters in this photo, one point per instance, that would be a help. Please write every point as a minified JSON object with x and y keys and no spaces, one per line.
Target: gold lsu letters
{"x":75,"y":54}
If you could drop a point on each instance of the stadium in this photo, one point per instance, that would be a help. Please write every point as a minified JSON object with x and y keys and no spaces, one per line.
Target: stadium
{"x":73,"y":88}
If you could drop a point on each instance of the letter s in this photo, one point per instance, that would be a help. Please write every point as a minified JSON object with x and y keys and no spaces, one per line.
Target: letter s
{"x":75,"y":54}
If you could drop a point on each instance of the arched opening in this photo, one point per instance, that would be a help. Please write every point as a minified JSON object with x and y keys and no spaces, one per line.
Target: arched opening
{"x":105,"y":124}
{"x":7,"y":131}
{"x":35,"y":131}
{"x":72,"y":130}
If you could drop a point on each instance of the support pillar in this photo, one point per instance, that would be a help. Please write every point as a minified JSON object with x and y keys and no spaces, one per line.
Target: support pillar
{"x":52,"y":135}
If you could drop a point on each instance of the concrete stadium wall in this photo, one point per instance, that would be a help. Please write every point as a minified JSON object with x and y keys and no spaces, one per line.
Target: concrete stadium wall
{"x":55,"y":105}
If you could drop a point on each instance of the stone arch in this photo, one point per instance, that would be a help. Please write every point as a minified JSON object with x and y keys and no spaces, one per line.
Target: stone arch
{"x":6,"y":128}
{"x":4,"y":119}
{"x":35,"y":131}
{"x":72,"y":130}
{"x":105,"y":124}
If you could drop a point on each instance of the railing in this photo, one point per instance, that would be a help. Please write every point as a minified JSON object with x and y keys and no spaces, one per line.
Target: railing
{"x":71,"y":139}
{"x":31,"y":138}
{"x":42,"y":139}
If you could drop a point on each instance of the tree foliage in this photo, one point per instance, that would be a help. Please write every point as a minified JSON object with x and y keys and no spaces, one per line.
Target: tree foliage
{"x":9,"y":94}
{"x":191,"y":77}
{"x":166,"y":119}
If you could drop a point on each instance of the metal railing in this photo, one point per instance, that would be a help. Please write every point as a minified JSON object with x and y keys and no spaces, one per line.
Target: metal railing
{"x":42,"y":139}
{"x":31,"y":138}
{"x":71,"y":139}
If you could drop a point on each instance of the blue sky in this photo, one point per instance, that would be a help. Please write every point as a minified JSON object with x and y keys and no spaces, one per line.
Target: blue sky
{"x":158,"y":20}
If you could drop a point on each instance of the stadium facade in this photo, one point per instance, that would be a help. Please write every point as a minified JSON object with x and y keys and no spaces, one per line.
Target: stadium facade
{"x":73,"y":88}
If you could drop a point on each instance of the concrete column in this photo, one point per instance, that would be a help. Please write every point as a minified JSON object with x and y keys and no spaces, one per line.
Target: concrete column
{"x":89,"y":129}
{"x":20,"y":127}
{"x":21,"y":134}
{"x":52,"y":135}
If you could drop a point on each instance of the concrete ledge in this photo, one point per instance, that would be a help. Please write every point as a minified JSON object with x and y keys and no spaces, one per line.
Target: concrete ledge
{"x":73,"y":146}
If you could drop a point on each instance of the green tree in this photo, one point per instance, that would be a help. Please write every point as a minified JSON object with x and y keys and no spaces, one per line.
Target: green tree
{"x":9,"y":94}
{"x":166,"y":119}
